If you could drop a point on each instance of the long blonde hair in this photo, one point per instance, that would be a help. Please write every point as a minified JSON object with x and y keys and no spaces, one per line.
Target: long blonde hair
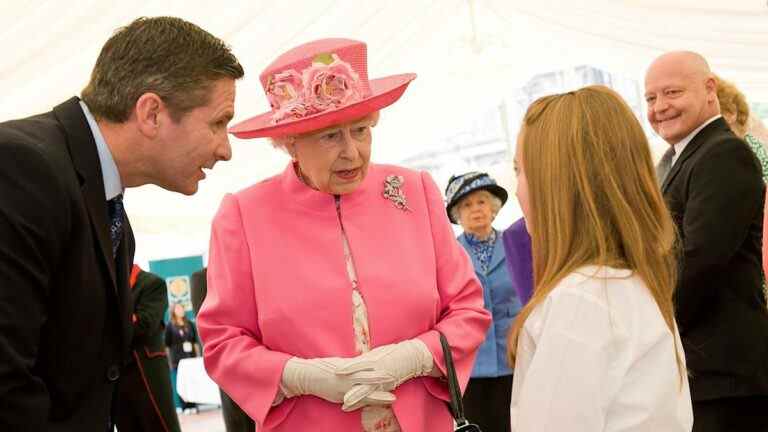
{"x":594,"y":199}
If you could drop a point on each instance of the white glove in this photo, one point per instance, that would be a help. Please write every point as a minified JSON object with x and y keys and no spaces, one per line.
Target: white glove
{"x":318,"y":377}
{"x":401,"y":362}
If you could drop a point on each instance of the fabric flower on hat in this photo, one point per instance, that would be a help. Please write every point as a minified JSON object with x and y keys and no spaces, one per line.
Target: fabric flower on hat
{"x":329,"y":83}
{"x":329,"y":79}
{"x":284,"y":88}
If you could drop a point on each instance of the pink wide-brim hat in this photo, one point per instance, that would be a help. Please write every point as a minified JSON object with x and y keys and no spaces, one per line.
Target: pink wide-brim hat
{"x":317,"y":85}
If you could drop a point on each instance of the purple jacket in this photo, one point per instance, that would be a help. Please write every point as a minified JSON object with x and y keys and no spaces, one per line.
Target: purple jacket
{"x":517,"y":246}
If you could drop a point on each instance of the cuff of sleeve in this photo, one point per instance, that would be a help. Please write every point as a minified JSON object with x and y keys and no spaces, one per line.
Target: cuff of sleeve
{"x":279,"y":397}
{"x":431,"y":340}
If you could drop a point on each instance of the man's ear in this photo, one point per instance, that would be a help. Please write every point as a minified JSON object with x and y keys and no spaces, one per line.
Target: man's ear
{"x":711,"y":86}
{"x":147,"y":111}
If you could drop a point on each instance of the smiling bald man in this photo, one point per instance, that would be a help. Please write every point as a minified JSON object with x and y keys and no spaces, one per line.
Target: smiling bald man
{"x":713,"y":187}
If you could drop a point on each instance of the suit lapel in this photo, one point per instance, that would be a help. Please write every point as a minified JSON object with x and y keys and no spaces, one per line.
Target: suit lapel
{"x":691,"y":148}
{"x":467,"y":248}
{"x":498,"y":253}
{"x":82,"y":149}
{"x":496,"y":258}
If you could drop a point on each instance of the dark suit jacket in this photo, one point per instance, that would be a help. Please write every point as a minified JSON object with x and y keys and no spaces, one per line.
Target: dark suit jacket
{"x":65,"y":304}
{"x":145,"y":396}
{"x":150,"y":300}
{"x":198,"y":289}
{"x":715,"y":193}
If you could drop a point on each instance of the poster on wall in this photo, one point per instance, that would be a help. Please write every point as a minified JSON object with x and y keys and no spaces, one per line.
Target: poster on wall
{"x":177,"y":273}
{"x":178,"y":291}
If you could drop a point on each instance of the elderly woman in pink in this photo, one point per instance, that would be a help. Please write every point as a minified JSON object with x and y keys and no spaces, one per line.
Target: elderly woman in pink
{"x":329,"y":284}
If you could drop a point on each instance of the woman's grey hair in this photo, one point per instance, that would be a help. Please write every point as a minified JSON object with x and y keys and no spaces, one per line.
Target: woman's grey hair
{"x":495,"y":205}
{"x":281,"y":143}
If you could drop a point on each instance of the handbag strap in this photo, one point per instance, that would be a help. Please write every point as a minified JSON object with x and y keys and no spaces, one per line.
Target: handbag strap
{"x":456,"y":405}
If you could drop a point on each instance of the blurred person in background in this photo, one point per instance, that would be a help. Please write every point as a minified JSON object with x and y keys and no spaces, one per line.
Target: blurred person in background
{"x":144,"y":389}
{"x":735,"y":111}
{"x":182,"y":342}
{"x":235,"y":419}
{"x":517,"y":248}
{"x":473,"y":201}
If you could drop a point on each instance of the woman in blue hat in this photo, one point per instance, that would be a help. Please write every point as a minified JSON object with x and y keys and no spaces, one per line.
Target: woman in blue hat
{"x":473,"y":201}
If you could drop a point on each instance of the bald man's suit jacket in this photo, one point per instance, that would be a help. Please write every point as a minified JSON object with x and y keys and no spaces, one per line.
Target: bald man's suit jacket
{"x":715,"y":193}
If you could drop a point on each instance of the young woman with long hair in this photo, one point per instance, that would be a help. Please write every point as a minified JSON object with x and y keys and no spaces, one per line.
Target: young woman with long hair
{"x":596,"y":348}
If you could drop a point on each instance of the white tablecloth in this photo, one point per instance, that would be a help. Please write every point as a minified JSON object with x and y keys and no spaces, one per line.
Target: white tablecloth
{"x":194,"y":385}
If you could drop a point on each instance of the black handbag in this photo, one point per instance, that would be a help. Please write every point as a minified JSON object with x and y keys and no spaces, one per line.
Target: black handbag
{"x":456,"y":405}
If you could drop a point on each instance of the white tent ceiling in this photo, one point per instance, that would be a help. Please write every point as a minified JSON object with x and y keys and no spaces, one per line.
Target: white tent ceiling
{"x":466,"y":52}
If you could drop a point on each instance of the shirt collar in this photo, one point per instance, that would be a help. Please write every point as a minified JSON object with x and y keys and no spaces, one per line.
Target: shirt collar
{"x":680,"y":146}
{"x":109,"y":172}
{"x":474,"y":240}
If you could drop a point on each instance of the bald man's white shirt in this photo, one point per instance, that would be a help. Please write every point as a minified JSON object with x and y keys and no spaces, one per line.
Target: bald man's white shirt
{"x":680,"y":146}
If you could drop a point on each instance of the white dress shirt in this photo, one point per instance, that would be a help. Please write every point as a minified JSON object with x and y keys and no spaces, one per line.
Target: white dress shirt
{"x":597,"y":356}
{"x":109,"y":172}
{"x":680,"y":145}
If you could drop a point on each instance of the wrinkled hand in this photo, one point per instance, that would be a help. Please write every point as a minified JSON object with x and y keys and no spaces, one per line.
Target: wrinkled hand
{"x":399,"y":362}
{"x":319,"y":377}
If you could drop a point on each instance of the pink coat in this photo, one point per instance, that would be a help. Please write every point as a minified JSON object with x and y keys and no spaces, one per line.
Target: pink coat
{"x":278,"y":287}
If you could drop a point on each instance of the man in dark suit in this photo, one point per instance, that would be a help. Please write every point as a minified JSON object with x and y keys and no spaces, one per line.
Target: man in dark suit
{"x":712,"y":184}
{"x":235,"y":419}
{"x":155,"y":111}
{"x":144,"y":389}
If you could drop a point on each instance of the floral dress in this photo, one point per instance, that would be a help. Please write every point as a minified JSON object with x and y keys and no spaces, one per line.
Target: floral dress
{"x":757,"y":147}
{"x":762,"y":157}
{"x":374,"y":418}
{"x":482,"y":249}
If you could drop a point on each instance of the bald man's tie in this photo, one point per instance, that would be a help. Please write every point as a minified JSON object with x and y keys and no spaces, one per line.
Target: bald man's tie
{"x":662,"y":170}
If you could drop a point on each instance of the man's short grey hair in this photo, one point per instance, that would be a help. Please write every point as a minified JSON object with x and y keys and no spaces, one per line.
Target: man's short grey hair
{"x":495,"y":205}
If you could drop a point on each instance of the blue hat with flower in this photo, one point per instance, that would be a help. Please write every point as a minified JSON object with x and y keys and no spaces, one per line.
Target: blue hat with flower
{"x":462,"y":185}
